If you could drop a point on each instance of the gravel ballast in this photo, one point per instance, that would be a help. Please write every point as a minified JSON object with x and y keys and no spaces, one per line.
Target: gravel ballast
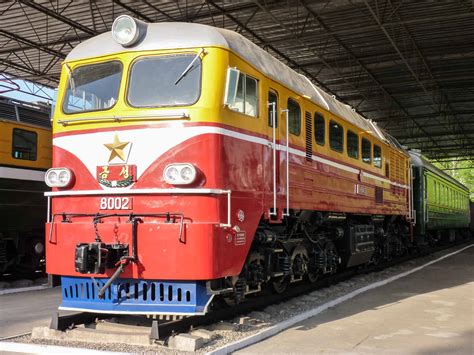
{"x":257,"y":321}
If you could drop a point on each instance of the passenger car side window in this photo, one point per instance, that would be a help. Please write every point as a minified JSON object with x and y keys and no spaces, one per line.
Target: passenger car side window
{"x":366,"y":151}
{"x":352,"y":145}
{"x":246,"y":99}
{"x":336,"y":136}
{"x":24,"y":144}
{"x":319,"y":129}
{"x":294,"y":117}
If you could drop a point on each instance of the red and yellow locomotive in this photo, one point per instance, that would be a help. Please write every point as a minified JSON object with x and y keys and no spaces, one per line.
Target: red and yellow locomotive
{"x":189,"y":163}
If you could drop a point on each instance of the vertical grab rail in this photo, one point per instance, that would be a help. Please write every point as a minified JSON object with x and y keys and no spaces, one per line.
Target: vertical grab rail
{"x":412,"y":199}
{"x":425,"y":202}
{"x":287,"y":212}
{"x":273,"y":106}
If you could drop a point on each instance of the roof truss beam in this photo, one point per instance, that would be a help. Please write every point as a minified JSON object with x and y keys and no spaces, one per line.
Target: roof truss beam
{"x":58,"y":16}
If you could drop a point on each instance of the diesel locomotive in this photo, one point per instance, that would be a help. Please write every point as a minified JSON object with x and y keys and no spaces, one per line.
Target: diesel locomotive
{"x":190,"y":164}
{"x":25,"y":155}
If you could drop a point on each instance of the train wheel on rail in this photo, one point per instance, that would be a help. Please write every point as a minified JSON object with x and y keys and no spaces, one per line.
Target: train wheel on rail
{"x":314,"y":270}
{"x":299,"y":263}
{"x":280,"y":284}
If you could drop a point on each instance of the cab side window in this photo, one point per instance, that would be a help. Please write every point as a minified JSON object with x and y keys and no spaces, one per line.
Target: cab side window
{"x":24,"y":144}
{"x":294,"y":117}
{"x":246,"y":99}
{"x":366,"y":151}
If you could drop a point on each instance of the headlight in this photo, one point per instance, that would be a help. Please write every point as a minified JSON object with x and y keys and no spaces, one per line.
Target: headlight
{"x":126,"y":30}
{"x":58,"y":177}
{"x":180,"y":174}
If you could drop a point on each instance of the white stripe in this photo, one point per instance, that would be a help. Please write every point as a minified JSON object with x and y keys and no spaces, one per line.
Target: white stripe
{"x":94,"y":154}
{"x":138,"y":192}
{"x":277,"y":328}
{"x":369,"y":175}
{"x":336,"y":165}
{"x":300,"y":153}
{"x":21,"y":174}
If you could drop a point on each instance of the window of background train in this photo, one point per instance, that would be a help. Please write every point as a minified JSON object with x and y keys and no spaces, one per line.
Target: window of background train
{"x":352,"y":145}
{"x":272,"y":98}
{"x":24,"y":144}
{"x":319,"y":129}
{"x":294,"y":117}
{"x":377,"y":156}
{"x":246,"y":99}
{"x":336,"y":136}
{"x":366,"y":151}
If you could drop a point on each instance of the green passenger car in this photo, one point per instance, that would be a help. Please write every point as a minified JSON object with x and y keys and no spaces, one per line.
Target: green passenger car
{"x":441,"y":203}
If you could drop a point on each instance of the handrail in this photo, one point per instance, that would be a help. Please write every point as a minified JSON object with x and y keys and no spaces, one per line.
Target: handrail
{"x":287,"y":212}
{"x":191,"y":191}
{"x":411,"y":197}
{"x":156,"y":116}
{"x":273,"y":105}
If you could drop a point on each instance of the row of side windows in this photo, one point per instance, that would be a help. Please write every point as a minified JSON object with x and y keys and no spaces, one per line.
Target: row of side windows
{"x":336,"y":141}
{"x":447,"y":197}
{"x":246,"y":102}
{"x":336,"y":135}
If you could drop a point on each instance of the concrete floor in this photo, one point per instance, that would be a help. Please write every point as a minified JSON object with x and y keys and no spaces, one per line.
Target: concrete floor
{"x":428,"y":312}
{"x":20,"y":312}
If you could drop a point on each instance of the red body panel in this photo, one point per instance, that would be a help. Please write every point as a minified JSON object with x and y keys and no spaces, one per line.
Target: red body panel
{"x":224,"y":161}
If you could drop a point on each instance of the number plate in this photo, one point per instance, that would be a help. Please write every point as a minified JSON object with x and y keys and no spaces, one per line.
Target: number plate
{"x":115,"y":203}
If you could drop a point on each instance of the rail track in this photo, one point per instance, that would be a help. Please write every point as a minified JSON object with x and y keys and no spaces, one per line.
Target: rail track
{"x":162,"y":329}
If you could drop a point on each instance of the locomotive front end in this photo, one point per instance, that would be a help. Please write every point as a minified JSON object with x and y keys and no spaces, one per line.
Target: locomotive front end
{"x":140,"y":217}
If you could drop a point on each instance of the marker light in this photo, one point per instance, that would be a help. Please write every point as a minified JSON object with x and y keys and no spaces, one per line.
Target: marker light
{"x":58,"y":177}
{"x":126,"y":30}
{"x":180,"y":174}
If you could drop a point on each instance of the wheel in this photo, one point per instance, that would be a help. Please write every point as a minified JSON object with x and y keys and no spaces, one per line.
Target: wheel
{"x":280,"y":285}
{"x":333,"y":258}
{"x":312,"y":276}
{"x":299,"y":262}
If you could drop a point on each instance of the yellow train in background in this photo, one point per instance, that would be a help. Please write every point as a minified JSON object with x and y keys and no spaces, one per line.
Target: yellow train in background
{"x":25,"y":155}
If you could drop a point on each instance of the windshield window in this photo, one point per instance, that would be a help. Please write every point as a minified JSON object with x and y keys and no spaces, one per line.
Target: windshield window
{"x":173,"y":80}
{"x":93,"y":87}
